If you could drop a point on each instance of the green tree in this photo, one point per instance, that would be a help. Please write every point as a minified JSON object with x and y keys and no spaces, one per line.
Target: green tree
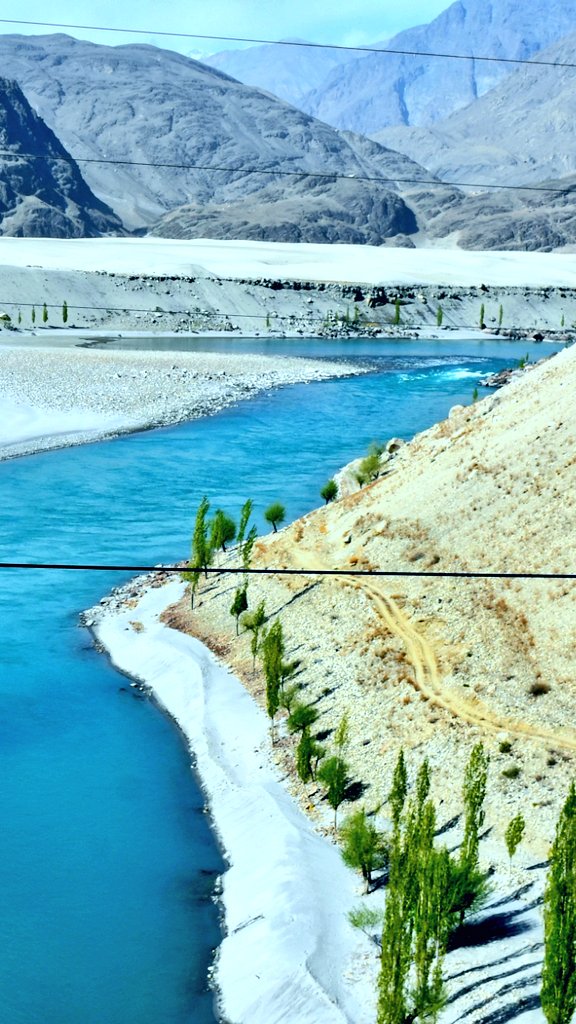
{"x":558,"y":994}
{"x":397,"y":794}
{"x":202,"y":552}
{"x":396,"y":319}
{"x":245,"y":513}
{"x":308,"y":754}
{"x":439,"y":316}
{"x":33,"y":315}
{"x":222,"y":530}
{"x":369,"y":467}
{"x":275,"y":514}
{"x":273,"y":660}
{"x":253,"y":622}
{"x":500,"y":314}
{"x":329,"y":491}
{"x":474,"y":794}
{"x":363,"y":846}
{"x":481,"y":321}
{"x":19,"y":317}
{"x":64,"y":312}
{"x":239,"y":605}
{"x":514,"y":834}
{"x":301,"y":717}
{"x":45,"y":314}
{"x":333,"y":773}
{"x":248,"y":546}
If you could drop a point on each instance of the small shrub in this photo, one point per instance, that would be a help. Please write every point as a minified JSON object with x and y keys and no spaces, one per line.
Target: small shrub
{"x":538,"y":688}
{"x":512,"y":772}
{"x":505,"y":747}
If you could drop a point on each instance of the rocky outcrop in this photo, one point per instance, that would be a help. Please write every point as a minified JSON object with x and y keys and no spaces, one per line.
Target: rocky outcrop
{"x":41,"y":189}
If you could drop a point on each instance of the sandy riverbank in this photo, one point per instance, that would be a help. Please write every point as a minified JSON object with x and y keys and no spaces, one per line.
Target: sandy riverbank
{"x":289,"y":954}
{"x":54,"y":397}
{"x":279,"y":289}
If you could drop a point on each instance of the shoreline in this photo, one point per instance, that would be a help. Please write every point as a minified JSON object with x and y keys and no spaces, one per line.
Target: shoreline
{"x":287,"y":951}
{"x":59,"y":397}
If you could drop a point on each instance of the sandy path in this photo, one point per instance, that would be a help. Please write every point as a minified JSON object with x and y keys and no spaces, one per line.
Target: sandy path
{"x":427,"y":680}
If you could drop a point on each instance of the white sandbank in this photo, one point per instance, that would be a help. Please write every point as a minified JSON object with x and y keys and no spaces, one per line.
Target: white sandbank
{"x":299,"y":261}
{"x":289,"y":954}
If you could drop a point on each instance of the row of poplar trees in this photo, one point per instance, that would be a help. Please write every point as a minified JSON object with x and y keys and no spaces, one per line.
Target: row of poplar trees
{"x":430,"y":891}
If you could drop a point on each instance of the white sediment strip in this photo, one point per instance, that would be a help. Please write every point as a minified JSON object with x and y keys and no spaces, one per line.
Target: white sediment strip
{"x":55,"y":397}
{"x":289,"y":954}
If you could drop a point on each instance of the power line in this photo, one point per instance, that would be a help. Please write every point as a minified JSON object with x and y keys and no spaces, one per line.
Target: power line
{"x":325,"y":175}
{"x":218,"y":314}
{"x":287,"y":42}
{"x":240,"y":570}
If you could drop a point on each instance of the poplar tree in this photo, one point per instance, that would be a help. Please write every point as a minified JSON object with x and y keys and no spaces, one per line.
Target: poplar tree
{"x":558,"y":994}
{"x":363,"y":846}
{"x":245,"y":513}
{"x":474,"y":793}
{"x":45,"y":314}
{"x":308,"y":754}
{"x":514,"y":834}
{"x":201,"y":550}
{"x":253,"y":621}
{"x":64,"y":312}
{"x":239,"y":605}
{"x":33,"y":314}
{"x":397,"y":794}
{"x":272,"y":658}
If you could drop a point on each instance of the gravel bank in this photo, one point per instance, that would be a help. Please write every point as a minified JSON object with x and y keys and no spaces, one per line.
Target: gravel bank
{"x":135,"y":390}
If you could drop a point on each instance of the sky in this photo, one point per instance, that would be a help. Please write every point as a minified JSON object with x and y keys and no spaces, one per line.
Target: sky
{"x":330,"y":21}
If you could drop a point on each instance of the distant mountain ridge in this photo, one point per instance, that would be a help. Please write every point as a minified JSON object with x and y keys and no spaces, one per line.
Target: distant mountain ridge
{"x":289,"y":72}
{"x":45,"y":196}
{"x":367,"y":94}
{"x":522,"y":132}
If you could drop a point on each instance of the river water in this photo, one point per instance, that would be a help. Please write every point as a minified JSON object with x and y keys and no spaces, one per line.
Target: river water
{"x":108,"y":861}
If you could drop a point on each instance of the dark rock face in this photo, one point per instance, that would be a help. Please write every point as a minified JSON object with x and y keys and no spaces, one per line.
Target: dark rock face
{"x":45,"y":196}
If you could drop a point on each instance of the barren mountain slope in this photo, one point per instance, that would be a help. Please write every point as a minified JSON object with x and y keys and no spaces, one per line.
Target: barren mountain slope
{"x":410,"y":88}
{"x":521,"y":132}
{"x":160,"y":130}
{"x":434,"y":664}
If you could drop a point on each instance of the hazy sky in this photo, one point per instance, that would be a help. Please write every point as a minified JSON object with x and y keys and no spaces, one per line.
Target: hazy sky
{"x":332,"y":21}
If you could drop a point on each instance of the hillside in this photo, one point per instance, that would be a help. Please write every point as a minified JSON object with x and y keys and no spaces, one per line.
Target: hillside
{"x":429,"y":664}
{"x":200,"y":128}
{"x":46,"y":196}
{"x":378,"y":90}
{"x":521,"y":132}
{"x":289,"y":72}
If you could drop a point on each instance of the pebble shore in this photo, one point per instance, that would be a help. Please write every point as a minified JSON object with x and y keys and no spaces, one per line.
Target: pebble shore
{"x":143,"y":389}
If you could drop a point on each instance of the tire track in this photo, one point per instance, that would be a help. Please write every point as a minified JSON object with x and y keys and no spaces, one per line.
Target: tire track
{"x":427,"y":680}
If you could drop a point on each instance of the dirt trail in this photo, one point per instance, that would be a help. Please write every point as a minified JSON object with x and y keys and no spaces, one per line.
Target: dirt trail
{"x":426,"y":677}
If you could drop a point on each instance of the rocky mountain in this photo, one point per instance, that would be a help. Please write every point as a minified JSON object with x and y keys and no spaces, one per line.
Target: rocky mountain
{"x":202,"y":131}
{"x":372,"y":92}
{"x":289,"y":72}
{"x":43,"y":196}
{"x":521,"y":132}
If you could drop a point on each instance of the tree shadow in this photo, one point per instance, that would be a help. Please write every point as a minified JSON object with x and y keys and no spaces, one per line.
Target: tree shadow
{"x":355,"y":790}
{"x":494,"y":928}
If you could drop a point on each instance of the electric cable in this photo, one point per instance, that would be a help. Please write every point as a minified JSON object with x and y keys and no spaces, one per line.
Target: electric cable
{"x":240,"y":570}
{"x":324,"y":175}
{"x":290,"y":42}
